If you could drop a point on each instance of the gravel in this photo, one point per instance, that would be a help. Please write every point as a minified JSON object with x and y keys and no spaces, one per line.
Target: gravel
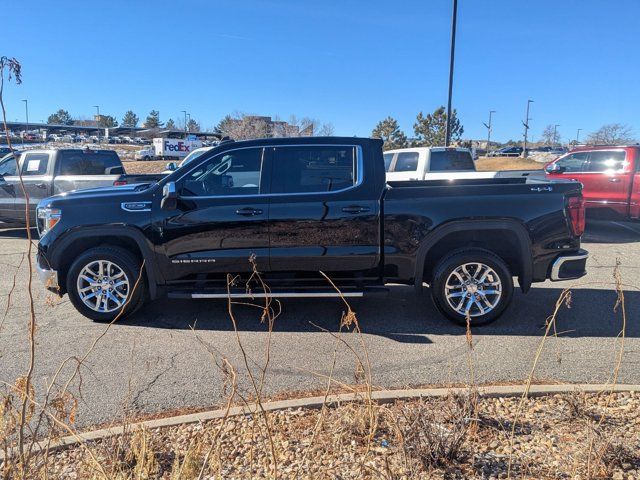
{"x":559,"y":436}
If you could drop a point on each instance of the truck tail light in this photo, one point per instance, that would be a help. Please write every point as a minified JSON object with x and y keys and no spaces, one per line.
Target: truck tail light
{"x":575,"y":209}
{"x":119,"y":183}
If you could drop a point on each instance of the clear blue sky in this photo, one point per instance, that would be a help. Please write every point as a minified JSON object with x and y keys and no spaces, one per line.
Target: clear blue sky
{"x":350,"y":63}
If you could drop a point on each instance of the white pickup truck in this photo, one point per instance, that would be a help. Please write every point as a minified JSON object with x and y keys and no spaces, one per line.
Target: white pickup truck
{"x":429,"y":163}
{"x":440,"y":163}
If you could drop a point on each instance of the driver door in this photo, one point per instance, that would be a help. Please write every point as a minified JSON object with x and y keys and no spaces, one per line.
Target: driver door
{"x":221,"y":218}
{"x":8,"y":175}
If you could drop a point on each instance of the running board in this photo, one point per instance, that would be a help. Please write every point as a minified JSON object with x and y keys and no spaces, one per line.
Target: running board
{"x":278,"y":295}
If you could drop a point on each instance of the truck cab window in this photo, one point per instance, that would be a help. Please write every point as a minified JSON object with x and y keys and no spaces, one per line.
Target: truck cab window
{"x":8,"y":166}
{"x":231,"y":173}
{"x":576,"y":162}
{"x":407,"y":162}
{"x":89,"y":163}
{"x":313,"y":169}
{"x":388,"y":158}
{"x":35,"y":164}
{"x":450,"y":160}
{"x":606,"y":161}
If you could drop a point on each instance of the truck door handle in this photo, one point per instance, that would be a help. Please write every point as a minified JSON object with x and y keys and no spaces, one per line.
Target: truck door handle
{"x":41,"y":185}
{"x":248,"y":211}
{"x":614,"y":180}
{"x":354,"y":209}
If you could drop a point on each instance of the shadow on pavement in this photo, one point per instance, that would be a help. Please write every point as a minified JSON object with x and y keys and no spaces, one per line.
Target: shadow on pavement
{"x":404,"y":317}
{"x":603,"y":231}
{"x":10,"y":232}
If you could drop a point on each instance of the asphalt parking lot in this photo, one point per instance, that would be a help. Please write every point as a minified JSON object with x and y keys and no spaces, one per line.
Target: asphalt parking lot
{"x":165,"y":356}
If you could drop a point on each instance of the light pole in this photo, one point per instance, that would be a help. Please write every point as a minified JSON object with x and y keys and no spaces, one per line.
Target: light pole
{"x":454,"y":19}
{"x":526,"y":129}
{"x":491,"y":112}
{"x":555,"y":134}
{"x":578,"y":136}
{"x":185,"y":123}
{"x":97,"y":107}
{"x":26,"y":111}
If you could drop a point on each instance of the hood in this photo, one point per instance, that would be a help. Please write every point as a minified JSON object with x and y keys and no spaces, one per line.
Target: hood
{"x":133,"y":192}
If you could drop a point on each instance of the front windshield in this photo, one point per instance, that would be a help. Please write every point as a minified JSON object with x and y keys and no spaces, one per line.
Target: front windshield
{"x":192,"y":156}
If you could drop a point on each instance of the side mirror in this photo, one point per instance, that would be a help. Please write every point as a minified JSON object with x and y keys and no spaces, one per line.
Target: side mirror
{"x":172,"y":166}
{"x":169,"y":196}
{"x":554,"y":168}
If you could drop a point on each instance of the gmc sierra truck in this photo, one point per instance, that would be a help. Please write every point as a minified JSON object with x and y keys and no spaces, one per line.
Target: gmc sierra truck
{"x":302,"y":207}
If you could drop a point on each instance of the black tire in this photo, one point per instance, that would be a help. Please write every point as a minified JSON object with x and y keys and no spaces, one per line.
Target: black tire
{"x":127,"y":263}
{"x":449,"y":264}
{"x":147,"y":158}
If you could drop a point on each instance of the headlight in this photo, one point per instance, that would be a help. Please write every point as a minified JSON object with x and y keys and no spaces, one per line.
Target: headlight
{"x":47,"y":219}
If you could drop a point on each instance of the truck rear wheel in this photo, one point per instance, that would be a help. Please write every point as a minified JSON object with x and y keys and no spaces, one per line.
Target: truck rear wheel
{"x":472,"y":283}
{"x":102,"y":284}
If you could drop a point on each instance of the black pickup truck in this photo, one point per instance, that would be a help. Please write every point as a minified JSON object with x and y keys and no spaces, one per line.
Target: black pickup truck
{"x":46,"y":172}
{"x":301,"y":206}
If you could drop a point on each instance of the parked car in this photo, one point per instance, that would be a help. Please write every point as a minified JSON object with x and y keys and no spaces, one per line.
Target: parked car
{"x":126,"y":139}
{"x":428,"y":163}
{"x":301,"y":206}
{"x":48,"y":172}
{"x":94,"y":139}
{"x":147,"y":153}
{"x":506,"y":152}
{"x":610,"y":177}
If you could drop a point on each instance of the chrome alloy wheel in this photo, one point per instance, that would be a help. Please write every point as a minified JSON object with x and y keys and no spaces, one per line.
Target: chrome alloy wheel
{"x":473,"y":289}
{"x":103,"y":286}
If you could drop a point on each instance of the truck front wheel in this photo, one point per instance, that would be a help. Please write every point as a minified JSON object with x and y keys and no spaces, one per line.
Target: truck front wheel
{"x":473,"y":284}
{"x":106,"y":282}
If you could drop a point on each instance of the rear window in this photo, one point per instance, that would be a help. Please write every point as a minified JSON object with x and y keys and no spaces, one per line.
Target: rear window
{"x":442,"y":161}
{"x":35,"y":164}
{"x":90,"y":163}
{"x":604,"y":161}
{"x":407,"y":162}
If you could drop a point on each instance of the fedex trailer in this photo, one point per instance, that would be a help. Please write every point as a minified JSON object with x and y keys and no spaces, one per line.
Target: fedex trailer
{"x":173,"y":149}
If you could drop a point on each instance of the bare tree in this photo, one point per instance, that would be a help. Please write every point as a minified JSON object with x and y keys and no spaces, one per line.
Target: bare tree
{"x":550,"y":135}
{"x":611,"y":134}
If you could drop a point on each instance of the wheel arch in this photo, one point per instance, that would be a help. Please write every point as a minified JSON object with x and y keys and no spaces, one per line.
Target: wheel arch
{"x":506,"y":238}
{"x":129,"y":238}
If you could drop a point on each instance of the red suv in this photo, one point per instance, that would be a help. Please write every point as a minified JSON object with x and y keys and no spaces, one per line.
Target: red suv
{"x":610,"y":177}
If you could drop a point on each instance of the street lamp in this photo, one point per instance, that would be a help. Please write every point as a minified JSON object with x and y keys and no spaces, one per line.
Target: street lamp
{"x":26,"y":111}
{"x":526,"y":129}
{"x":491,"y":112}
{"x":185,"y":123}
{"x":555,"y":133}
{"x":454,"y":18}
{"x":97,"y":107}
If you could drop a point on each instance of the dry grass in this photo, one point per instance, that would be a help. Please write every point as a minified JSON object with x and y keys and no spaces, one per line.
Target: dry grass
{"x":145,"y":167}
{"x":490,"y":164}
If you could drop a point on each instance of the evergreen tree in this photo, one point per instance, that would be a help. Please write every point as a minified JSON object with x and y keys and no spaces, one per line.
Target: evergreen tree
{"x":130,"y":119}
{"x":61,"y":117}
{"x":430,"y":130}
{"x":153,"y":120}
{"x":389,"y":131}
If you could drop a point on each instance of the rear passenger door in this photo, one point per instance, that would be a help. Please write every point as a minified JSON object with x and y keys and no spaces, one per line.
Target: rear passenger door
{"x":608,"y":176}
{"x":322,"y":216}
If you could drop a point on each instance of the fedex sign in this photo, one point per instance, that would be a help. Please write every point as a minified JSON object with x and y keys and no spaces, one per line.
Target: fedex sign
{"x":174,"y":148}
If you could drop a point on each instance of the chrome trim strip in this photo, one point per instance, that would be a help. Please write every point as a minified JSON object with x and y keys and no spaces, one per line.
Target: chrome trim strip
{"x":557,"y":264}
{"x":359,"y":173}
{"x":278,"y":295}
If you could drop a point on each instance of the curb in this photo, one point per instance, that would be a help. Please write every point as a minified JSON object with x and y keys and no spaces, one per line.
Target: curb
{"x":383,"y":396}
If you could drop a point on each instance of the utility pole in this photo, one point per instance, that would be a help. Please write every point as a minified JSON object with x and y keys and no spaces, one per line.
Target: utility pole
{"x":454,"y":19}
{"x":491,"y":112}
{"x":97,"y":107}
{"x":555,"y":133}
{"x":26,"y":111}
{"x":526,"y":129}
{"x":185,"y":123}
{"x":578,"y":136}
